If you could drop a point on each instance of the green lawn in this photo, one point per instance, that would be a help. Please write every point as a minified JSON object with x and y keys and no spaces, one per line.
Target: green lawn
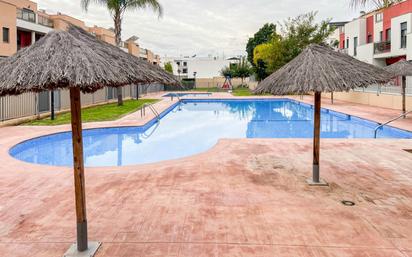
{"x":241,"y":91}
{"x":105,"y":112}
{"x":206,"y":89}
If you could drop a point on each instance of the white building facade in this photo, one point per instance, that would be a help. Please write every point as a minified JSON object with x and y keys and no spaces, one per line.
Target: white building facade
{"x":199,"y":67}
{"x":381,"y":38}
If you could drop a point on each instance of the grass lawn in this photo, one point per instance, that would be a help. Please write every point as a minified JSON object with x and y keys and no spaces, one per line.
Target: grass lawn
{"x":242,"y":92}
{"x":97,"y":113}
{"x":206,"y":89}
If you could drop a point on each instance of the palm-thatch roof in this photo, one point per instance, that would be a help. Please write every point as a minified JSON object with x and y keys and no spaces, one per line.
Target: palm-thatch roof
{"x":75,"y":59}
{"x":400,"y":68}
{"x":321,"y":69}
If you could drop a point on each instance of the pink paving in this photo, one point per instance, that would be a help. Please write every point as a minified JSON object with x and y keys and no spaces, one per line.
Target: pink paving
{"x":252,"y":201}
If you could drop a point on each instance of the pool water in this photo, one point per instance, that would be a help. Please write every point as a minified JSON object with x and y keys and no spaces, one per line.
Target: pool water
{"x":194,"y":126}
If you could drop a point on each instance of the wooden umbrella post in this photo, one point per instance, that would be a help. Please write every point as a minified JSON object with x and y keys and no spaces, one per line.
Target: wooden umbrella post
{"x":404,"y":95}
{"x":83,"y":247}
{"x":78,"y":163}
{"x":316,"y":181}
{"x":52,"y":104}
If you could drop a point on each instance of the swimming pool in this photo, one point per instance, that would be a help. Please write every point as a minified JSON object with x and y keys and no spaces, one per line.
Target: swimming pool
{"x":194,"y":126}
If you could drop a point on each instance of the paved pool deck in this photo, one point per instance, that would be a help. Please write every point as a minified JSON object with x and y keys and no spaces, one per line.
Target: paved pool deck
{"x":243,"y":197}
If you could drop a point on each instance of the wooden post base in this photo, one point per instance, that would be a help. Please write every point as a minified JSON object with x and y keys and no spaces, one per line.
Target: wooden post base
{"x":90,"y":252}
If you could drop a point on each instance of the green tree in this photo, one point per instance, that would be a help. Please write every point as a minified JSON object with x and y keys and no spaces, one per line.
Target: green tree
{"x":242,"y":70}
{"x":264,"y":35}
{"x":261,"y":70}
{"x":227,"y":72}
{"x":295,"y":35}
{"x":168,"y":67}
{"x":374,"y":3}
{"x":117,"y":9}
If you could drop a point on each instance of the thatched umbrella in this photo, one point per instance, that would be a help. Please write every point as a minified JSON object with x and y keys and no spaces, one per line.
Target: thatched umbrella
{"x":77,"y":61}
{"x":321,"y":69}
{"x":402,"y":68}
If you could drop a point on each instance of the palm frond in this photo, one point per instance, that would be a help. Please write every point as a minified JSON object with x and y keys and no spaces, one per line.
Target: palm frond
{"x":86,"y":3}
{"x":373,"y":3}
{"x":142,"y":4}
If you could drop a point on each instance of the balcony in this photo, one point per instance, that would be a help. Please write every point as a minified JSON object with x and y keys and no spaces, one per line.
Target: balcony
{"x":26,"y":15}
{"x":382,"y":47}
{"x":343,"y":51}
{"x":42,"y":20}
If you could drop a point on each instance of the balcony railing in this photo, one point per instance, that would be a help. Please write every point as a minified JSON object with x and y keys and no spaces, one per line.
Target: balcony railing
{"x":42,"y":20}
{"x":343,"y":51}
{"x":382,"y":47}
{"x":30,"y":16}
{"x":27,"y":15}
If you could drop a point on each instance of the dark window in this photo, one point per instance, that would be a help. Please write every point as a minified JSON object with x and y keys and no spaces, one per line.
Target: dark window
{"x":347,"y":43}
{"x":403,"y":34}
{"x":388,"y":35}
{"x":184,"y":63}
{"x":6,"y":35}
{"x":184,"y":70}
{"x":380,"y":36}
{"x":370,"y":39}
{"x":178,"y":63}
{"x":355,"y":46}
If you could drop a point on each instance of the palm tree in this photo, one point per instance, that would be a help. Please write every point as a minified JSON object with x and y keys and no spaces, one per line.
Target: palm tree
{"x":117,"y":8}
{"x":375,"y":3}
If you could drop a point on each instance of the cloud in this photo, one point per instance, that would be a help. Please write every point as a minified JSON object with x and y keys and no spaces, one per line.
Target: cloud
{"x":202,"y":27}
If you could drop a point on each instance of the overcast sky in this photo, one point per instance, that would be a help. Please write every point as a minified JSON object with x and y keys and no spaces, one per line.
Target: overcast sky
{"x":202,"y":27}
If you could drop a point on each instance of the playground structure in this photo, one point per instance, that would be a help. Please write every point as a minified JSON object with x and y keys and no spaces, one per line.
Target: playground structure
{"x":227,"y":85}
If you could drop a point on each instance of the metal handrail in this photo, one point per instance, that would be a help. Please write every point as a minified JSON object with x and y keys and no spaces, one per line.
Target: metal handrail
{"x":174,"y":94}
{"x":392,"y":120}
{"x":146,"y":136}
{"x":151,"y":107}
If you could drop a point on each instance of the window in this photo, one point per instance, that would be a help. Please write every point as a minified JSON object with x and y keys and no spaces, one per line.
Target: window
{"x":185,"y":71}
{"x":178,"y":63}
{"x":378,"y":17}
{"x":388,"y":35}
{"x":355,"y":46}
{"x":347,"y":43}
{"x":370,"y":39}
{"x":380,"y":36}
{"x":6,"y":35}
{"x":184,"y":63}
{"x":403,"y":34}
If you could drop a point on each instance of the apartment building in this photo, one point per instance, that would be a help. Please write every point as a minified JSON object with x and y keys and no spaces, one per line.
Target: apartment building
{"x":199,"y":67}
{"x":381,"y":37}
{"x":22,"y":24}
{"x":334,"y":39}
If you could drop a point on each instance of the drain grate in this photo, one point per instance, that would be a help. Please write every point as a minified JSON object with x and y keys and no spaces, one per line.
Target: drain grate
{"x":348,"y":203}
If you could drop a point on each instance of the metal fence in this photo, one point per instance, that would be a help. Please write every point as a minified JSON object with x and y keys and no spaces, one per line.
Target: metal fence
{"x":386,"y":89}
{"x":33,"y":104}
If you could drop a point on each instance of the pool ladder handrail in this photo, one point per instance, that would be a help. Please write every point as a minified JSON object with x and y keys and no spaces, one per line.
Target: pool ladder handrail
{"x":174,"y":94}
{"x":151,"y":107}
{"x":388,"y":122}
{"x":146,"y":136}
